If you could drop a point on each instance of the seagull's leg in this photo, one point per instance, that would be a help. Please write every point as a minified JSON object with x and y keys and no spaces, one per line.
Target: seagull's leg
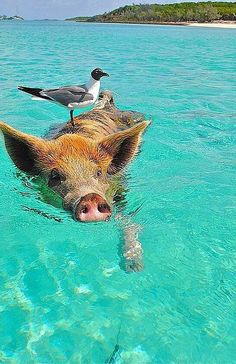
{"x":71,"y":117}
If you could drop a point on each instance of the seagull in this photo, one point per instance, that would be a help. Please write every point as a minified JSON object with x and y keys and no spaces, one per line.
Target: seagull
{"x":71,"y":97}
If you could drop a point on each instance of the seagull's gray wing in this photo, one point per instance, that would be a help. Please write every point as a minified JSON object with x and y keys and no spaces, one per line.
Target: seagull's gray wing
{"x":68,"y":94}
{"x":73,"y":89}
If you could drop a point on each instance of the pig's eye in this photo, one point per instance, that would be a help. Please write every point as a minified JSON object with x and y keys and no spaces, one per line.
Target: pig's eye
{"x":55,"y":178}
{"x":98,"y":173}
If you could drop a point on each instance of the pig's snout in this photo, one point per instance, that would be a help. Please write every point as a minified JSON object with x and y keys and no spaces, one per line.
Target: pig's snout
{"x":92,"y":207}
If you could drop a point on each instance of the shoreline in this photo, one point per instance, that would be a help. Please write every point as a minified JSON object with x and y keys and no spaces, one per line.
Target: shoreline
{"x":226,"y":25}
{"x":220,"y":24}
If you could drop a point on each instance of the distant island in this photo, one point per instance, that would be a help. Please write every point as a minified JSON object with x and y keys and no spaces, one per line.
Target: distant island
{"x":177,"y":13}
{"x":80,"y":18}
{"x":15,"y":17}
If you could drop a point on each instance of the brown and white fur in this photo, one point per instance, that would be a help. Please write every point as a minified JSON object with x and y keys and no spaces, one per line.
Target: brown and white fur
{"x":84,"y":163}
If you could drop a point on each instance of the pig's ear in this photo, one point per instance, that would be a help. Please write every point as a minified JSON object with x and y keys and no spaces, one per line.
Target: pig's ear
{"x":123,"y":146}
{"x":25,"y":150}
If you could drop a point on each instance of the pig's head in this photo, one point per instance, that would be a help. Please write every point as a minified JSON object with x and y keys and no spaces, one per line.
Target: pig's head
{"x":79,"y":169}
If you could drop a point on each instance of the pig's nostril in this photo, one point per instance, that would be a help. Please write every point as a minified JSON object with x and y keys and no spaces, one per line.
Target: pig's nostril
{"x":104,"y":208}
{"x":84,"y":209}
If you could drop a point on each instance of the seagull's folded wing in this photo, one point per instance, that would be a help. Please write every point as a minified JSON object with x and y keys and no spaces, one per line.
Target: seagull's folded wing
{"x":68,"y":94}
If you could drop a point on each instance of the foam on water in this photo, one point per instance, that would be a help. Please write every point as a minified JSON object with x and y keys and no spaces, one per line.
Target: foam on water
{"x":63,"y":292}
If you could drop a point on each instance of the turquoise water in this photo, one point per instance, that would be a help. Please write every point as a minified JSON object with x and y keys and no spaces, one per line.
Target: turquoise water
{"x":63,"y":293}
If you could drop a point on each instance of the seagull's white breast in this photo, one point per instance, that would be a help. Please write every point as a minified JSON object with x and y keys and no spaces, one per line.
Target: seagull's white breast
{"x":93,"y":87}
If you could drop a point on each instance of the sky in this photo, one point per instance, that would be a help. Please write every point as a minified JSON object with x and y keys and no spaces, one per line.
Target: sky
{"x":61,"y":9}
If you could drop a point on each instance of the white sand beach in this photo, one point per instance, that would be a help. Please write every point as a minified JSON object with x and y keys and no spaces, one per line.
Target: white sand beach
{"x":231,"y":25}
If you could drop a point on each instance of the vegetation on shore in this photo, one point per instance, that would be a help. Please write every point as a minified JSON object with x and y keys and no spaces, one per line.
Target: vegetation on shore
{"x":178,"y":12}
{"x":80,"y":18}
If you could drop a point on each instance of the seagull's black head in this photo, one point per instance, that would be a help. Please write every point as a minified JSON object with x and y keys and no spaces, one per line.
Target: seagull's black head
{"x":98,"y":73}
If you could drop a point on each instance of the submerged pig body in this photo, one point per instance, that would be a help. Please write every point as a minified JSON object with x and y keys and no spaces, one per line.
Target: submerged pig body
{"x":81,"y":163}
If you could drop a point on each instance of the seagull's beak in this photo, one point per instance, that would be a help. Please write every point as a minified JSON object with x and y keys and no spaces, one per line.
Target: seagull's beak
{"x":105,"y":74}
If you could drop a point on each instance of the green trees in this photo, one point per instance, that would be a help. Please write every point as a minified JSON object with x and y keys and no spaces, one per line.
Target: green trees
{"x":178,"y":12}
{"x":206,"y":13}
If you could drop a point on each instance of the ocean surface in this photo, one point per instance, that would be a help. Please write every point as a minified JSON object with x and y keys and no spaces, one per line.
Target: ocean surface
{"x":64,"y":295}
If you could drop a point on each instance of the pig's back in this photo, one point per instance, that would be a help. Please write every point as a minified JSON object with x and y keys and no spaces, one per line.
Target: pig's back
{"x":98,"y":122}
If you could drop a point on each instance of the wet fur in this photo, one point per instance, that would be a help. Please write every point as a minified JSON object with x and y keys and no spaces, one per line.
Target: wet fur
{"x":104,"y":138}
{"x":100,"y":121}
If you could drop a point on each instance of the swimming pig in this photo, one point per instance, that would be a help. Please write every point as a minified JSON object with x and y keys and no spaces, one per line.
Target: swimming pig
{"x":81,"y":163}
{"x":84,"y":163}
